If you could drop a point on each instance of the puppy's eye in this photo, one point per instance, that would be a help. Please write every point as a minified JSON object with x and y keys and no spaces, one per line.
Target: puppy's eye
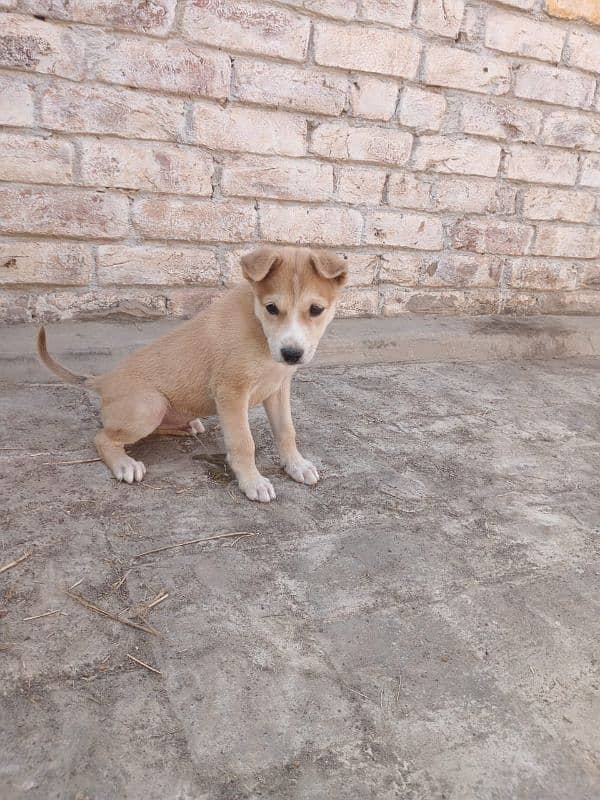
{"x":272,"y":309}
{"x":315,"y":311}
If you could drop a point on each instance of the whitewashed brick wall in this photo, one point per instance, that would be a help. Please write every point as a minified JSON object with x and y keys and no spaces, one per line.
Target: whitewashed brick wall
{"x":450,"y":148}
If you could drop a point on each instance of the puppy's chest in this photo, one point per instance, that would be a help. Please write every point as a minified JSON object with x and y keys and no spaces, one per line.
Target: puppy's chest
{"x":267,"y":383}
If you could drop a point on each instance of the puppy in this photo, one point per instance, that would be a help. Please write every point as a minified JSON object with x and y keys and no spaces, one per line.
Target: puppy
{"x":241,"y":351}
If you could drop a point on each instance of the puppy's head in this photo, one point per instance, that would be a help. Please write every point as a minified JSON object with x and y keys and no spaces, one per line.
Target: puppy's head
{"x":295,"y":293}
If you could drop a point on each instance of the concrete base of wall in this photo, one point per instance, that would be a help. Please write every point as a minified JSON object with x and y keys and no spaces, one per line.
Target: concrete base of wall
{"x":94,"y":346}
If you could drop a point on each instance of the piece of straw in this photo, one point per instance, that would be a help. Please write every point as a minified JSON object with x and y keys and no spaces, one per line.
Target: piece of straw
{"x":143,"y":664}
{"x":65,"y":463}
{"x":193,"y":541}
{"x":45,"y":614}
{"x":87,"y":604}
{"x":14,"y":563}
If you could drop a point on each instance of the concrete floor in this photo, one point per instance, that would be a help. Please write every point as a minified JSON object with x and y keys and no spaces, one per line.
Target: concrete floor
{"x":421,"y":625}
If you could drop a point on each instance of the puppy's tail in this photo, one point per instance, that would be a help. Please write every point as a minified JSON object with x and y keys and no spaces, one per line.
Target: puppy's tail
{"x":54,"y":366}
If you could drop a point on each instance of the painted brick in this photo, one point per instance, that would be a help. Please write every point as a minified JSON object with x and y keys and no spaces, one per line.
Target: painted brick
{"x":438,"y":301}
{"x":461,"y":69}
{"x":540,"y":202}
{"x":527,"y":162}
{"x":359,"y":185}
{"x":30,"y":44}
{"x":500,"y":119}
{"x":286,"y":178}
{"x":78,"y":213}
{"x":59,"y":305}
{"x":554,"y":85}
{"x":402,"y":268}
{"x":539,"y":273}
{"x":468,"y":196}
{"x":358,"y":303}
{"x":471,"y":29}
{"x":232,"y":268}
{"x":398,"y":229}
{"x":380,"y":145}
{"x":590,"y":276}
{"x":526,"y":5}
{"x":532,"y":302}
{"x":322,"y":225}
{"x":524,"y":36}
{"x":102,"y":109}
{"x":195,"y":220}
{"x":587,"y":10}
{"x":51,"y":263}
{"x":373,"y":98}
{"x":247,"y":27}
{"x":441,"y":16}
{"x":252,"y":130}
{"x":16,"y":100}
{"x":35,"y":159}
{"x":367,"y":49}
{"x":290,"y":87}
{"x":145,"y":165}
{"x":187,"y":303}
{"x":568,"y":241}
{"x":583,"y":50}
{"x":492,"y":236}
{"x":146,"y":265}
{"x":505,"y":200}
{"x":590,"y":173}
{"x":155,"y":17}
{"x":462,"y":270}
{"x":337,"y":9}
{"x":136,"y":302}
{"x":572,"y":129}
{"x":421,"y":109}
{"x":389,"y":12}
{"x":465,"y":156}
{"x":166,"y":66}
{"x":362,"y":268}
{"x":406,"y":190}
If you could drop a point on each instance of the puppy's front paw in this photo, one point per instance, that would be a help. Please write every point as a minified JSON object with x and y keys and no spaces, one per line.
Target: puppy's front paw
{"x":259,"y":488}
{"x":128,"y":469}
{"x":301,"y":470}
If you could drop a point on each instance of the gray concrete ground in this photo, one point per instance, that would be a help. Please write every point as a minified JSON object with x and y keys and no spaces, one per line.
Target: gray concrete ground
{"x":423,"y":624}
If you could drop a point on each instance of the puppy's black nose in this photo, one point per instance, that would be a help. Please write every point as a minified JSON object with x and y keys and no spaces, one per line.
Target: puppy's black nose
{"x":291,"y":355}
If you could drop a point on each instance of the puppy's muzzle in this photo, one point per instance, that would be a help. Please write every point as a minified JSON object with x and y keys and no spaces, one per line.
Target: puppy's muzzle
{"x":291,"y":355}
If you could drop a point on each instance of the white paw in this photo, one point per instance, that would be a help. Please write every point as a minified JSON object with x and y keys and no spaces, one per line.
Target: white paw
{"x":301,"y":470}
{"x":195,"y":426}
{"x":259,"y":488}
{"x":128,"y":469}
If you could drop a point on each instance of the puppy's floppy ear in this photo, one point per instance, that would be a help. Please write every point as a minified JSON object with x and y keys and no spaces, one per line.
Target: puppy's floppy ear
{"x":257,"y":264}
{"x":329,"y":266}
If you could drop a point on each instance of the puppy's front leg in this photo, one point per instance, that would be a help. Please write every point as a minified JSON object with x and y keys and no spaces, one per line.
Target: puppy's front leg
{"x":233,"y":414}
{"x":279,"y":412}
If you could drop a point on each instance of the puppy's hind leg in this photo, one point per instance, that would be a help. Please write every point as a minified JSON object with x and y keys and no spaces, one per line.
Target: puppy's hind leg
{"x":127,"y":420}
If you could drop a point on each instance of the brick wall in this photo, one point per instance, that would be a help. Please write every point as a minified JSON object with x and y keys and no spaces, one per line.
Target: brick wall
{"x":451,"y":148}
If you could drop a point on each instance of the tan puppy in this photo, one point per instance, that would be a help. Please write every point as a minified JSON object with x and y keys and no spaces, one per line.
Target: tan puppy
{"x":241,"y":351}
